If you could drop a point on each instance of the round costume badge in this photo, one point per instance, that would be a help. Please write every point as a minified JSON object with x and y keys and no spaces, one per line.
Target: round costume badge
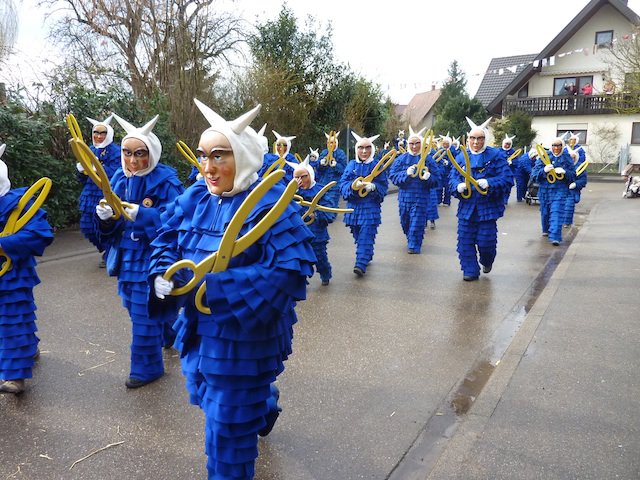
{"x":147,"y":202}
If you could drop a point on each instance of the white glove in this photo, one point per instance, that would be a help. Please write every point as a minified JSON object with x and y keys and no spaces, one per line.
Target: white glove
{"x":359,"y":184}
{"x":104,"y":213}
{"x":426,"y":175}
{"x":559,"y":171}
{"x":79,"y":167}
{"x":199,"y":176}
{"x":572,"y":185}
{"x":369,"y":186}
{"x":483,"y":184}
{"x":162,"y":287}
{"x":323,"y":162}
{"x":548,"y":168}
{"x":461,"y":187}
{"x":132,"y":210}
{"x":333,"y":163}
{"x":411,"y":170}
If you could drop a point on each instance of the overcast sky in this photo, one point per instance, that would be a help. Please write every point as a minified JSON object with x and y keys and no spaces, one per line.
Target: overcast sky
{"x":405,"y":51}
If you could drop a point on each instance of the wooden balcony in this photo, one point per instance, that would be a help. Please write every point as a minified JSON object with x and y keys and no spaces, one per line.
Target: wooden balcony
{"x":572,"y":105}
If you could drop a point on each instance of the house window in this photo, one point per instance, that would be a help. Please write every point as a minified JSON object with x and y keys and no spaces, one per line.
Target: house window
{"x":570,"y":85}
{"x":604,"y":39}
{"x":524,"y":91}
{"x":635,"y":133}
{"x":579,"y":129}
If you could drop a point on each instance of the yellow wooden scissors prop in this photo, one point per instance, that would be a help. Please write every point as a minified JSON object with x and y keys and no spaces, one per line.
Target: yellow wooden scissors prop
{"x":94,"y":169}
{"x":230,"y":245}
{"x":552,"y":176}
{"x":187,"y":153}
{"x":421,"y":166}
{"x":514,"y":155}
{"x":468,"y":179}
{"x":440,"y":154}
{"x":314,"y":205}
{"x":380,"y":167}
{"x":17,"y":219}
{"x":275,"y":166}
{"x":332,"y":140}
{"x":298,"y":158}
{"x":581,"y":168}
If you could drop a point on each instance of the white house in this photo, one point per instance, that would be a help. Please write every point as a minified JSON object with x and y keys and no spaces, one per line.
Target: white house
{"x":541,"y":84}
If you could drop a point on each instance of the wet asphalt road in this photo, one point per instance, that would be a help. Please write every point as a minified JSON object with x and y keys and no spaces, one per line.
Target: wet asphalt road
{"x":377,"y":360}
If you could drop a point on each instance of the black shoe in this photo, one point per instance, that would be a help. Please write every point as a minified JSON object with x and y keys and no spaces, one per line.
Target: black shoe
{"x":555,"y":243}
{"x":270,"y":418}
{"x":37,"y":354}
{"x":358,"y":271}
{"x":433,"y":225}
{"x":137,"y":383}
{"x":486,"y":269}
{"x":469,"y":278}
{"x":325,"y":282}
{"x":412,"y":252}
{"x":102,"y":264}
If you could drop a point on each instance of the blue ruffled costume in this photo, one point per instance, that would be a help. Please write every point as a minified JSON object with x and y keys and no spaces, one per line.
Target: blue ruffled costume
{"x":109,"y":156}
{"x":367,"y":215}
{"x":574,"y":193}
{"x":319,"y":227}
{"x":506,"y":154}
{"x":521,"y":174}
{"x":128,"y":259}
{"x":232,"y":357}
{"x":478,"y":215}
{"x":414,"y":196}
{"x":553,"y":196}
{"x":326,"y":174}
{"x":18,"y":340}
{"x":443,"y":190}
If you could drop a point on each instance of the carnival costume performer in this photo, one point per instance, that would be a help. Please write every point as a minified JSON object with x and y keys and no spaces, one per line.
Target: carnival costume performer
{"x":478,"y":212}
{"x":507,"y":151}
{"x":308,"y":188}
{"x":108,"y":153}
{"x":367,"y":215}
{"x":329,"y":168}
{"x":580,"y":182}
{"x":444,"y":192}
{"x":282,"y":154}
{"x":554,"y":179}
{"x":414,"y":189}
{"x":232,"y":355}
{"x":18,"y":340}
{"x":522,"y":172}
{"x":400,"y":143}
{"x":149,"y":187}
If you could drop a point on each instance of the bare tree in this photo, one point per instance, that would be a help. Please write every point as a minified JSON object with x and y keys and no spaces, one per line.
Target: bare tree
{"x":604,"y":146}
{"x":8,"y":26}
{"x":172,"y":47}
{"x":623,"y":59}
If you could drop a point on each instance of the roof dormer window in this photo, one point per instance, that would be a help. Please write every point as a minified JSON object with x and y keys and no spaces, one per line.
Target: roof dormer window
{"x":604,"y":39}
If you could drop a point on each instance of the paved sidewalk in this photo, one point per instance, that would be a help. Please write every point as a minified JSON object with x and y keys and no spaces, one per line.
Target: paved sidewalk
{"x":564,"y":401}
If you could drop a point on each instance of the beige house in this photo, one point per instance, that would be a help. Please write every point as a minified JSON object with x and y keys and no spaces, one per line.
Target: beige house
{"x":419,"y":111}
{"x":571,"y":85}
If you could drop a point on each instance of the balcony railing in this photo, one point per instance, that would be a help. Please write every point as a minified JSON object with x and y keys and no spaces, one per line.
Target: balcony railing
{"x":572,"y":105}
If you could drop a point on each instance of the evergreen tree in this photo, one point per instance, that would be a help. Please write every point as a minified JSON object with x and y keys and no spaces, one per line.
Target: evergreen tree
{"x":455,"y":104}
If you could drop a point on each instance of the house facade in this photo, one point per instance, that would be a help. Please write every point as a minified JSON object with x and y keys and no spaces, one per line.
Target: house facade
{"x":571,"y":85}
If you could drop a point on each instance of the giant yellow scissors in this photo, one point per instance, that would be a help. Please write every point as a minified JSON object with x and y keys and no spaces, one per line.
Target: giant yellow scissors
{"x":187,"y":153}
{"x":514,"y":155}
{"x":314,"y":205}
{"x":581,"y":168}
{"x":380,"y":167}
{"x":552,"y":176}
{"x":421,"y":166}
{"x":94,"y":169}
{"x":230,"y":245}
{"x":468,"y":179}
{"x":17,"y":219}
